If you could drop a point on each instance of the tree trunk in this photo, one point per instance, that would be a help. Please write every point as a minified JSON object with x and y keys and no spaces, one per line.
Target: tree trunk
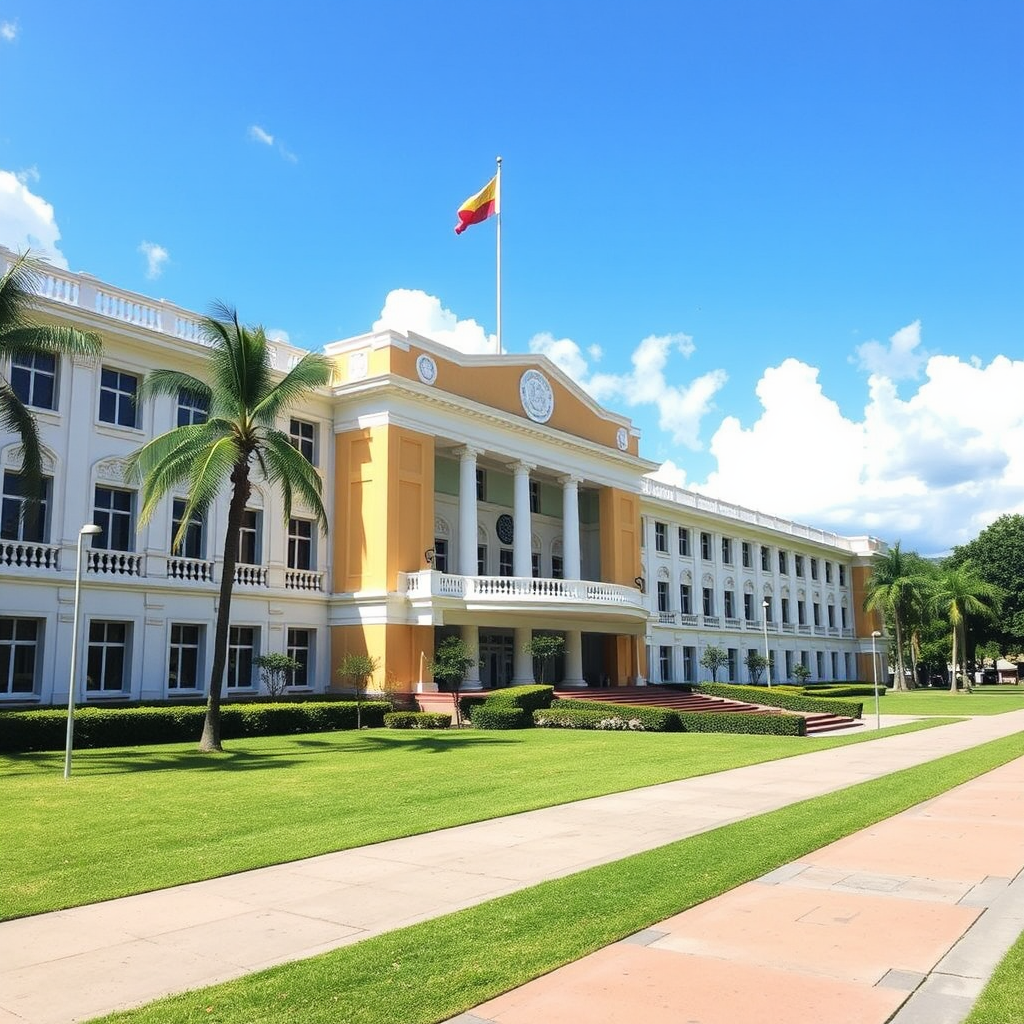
{"x":210,"y":740}
{"x":900,"y":682}
{"x":952,"y":680}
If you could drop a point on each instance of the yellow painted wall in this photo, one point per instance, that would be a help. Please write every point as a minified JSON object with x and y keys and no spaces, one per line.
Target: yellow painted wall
{"x":620,"y":536}
{"x":396,"y":647}
{"x":864,"y":623}
{"x":620,"y":659}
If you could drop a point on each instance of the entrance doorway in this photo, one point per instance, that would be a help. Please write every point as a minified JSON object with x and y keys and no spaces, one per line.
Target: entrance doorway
{"x":496,"y":656}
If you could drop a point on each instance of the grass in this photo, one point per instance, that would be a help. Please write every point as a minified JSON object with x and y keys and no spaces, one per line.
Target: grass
{"x":432,"y":971}
{"x":1002,"y":1000}
{"x":135,"y":819}
{"x":982,"y":701}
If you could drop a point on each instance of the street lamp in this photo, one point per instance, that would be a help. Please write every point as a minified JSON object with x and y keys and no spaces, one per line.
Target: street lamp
{"x":874,"y":672}
{"x":89,"y":530}
{"x":767,"y":656}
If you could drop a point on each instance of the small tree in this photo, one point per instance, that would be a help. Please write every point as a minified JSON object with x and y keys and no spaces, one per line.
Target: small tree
{"x":358,"y":669}
{"x":801,"y":673}
{"x":713,"y":659}
{"x":545,"y":648}
{"x":275,"y":670}
{"x":756,"y":664}
{"x":450,"y":664}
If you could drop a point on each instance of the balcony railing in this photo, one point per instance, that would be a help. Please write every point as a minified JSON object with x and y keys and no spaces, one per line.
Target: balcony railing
{"x":712,"y":621}
{"x":733,"y":623}
{"x":195,"y":570}
{"x":687,"y":619}
{"x":303,"y":579}
{"x":788,"y":627}
{"x":667,"y":618}
{"x":252,"y":576}
{"x":114,"y":563}
{"x":23,"y":555}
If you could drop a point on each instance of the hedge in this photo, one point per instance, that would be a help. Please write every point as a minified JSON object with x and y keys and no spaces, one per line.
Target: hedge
{"x":845,"y":690}
{"x":748,"y":723}
{"x":45,"y":728}
{"x":608,"y":717}
{"x":417,"y":720}
{"x":527,"y":698}
{"x":789,"y":701}
{"x":488,"y":716}
{"x":652,"y":719}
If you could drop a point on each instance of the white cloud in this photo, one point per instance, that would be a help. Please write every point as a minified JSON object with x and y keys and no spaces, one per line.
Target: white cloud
{"x":257,"y":134}
{"x":276,"y":334}
{"x":28,"y":174}
{"x":156,"y":257}
{"x":669,"y":473}
{"x":8,"y":31}
{"x":408,"y":309}
{"x":932,"y":469}
{"x":27,"y":221}
{"x":902,"y":359}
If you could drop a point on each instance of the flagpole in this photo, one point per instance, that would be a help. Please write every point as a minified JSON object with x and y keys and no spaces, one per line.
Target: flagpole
{"x":497,"y":196}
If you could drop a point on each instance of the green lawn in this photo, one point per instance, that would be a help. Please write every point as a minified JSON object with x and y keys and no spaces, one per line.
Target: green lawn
{"x":435,"y":970}
{"x":982,"y":701}
{"x":135,"y":819}
{"x":1002,"y":1001}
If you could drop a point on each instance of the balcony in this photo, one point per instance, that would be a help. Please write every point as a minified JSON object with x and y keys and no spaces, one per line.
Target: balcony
{"x":667,"y":618}
{"x":26,"y":555}
{"x":194,"y":570}
{"x":252,"y":576}
{"x":100,"y":562}
{"x":304,"y":579}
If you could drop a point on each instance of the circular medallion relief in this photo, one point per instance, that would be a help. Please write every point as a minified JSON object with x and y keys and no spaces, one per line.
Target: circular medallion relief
{"x":427,"y":369}
{"x":505,"y":528}
{"x":622,"y":439}
{"x":536,"y":395}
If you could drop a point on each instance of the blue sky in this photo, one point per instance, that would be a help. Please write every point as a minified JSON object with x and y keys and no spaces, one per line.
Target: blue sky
{"x":787,"y":239}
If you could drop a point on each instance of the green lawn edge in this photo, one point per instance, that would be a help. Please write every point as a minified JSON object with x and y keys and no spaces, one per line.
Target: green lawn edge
{"x":1002,"y":999}
{"x":432,"y":971}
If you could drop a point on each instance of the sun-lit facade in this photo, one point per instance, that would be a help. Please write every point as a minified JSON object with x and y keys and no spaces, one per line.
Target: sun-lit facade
{"x":487,"y":496}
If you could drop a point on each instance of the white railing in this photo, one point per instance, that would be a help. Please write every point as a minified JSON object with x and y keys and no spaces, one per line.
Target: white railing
{"x":712,"y":622}
{"x":788,"y":627}
{"x":820,"y":631}
{"x":195,"y":570}
{"x":686,"y":619}
{"x":732,"y":623}
{"x":303,"y":579}
{"x":848,"y":633}
{"x":251,"y":575}
{"x":24,"y":555}
{"x":803,"y":629}
{"x":668,"y":618}
{"x":114,"y":563}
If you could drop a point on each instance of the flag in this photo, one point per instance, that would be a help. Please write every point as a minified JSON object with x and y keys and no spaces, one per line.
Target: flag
{"x":479,"y":207}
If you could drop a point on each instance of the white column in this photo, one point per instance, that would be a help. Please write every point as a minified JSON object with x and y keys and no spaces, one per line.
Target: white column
{"x":573,"y":660}
{"x":571,"y":527}
{"x":471,"y":638}
{"x":467,"y":511}
{"x":522,"y":541}
{"x":522,"y":663}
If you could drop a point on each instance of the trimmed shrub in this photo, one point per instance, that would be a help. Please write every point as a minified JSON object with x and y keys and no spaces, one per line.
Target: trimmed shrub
{"x":784,"y":699}
{"x":417,"y":720}
{"x":747,"y":723}
{"x":609,"y":717}
{"x":652,"y":719}
{"x":488,"y":716}
{"x":571,"y":714}
{"x":845,"y":690}
{"x":469,"y":701}
{"x":527,"y":698}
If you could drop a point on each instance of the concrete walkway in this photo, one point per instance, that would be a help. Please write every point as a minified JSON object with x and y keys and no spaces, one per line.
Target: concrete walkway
{"x":76,"y":964}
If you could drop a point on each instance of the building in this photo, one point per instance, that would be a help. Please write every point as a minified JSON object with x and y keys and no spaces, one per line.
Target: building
{"x":487,"y":495}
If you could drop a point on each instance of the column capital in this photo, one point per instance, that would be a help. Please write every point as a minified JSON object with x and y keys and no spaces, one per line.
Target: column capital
{"x":467,"y":452}
{"x":521,"y":466}
{"x":569,"y":478}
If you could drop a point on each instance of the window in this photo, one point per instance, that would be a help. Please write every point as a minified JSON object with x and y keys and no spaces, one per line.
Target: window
{"x":481,"y":484}
{"x":242,"y":648}
{"x":300,"y":649}
{"x":112,"y":513}
{"x":481,"y":561}
{"x":663,"y":598}
{"x":828,"y":572}
{"x":819,"y":664}
{"x":816,"y":609}
{"x":192,"y":409}
{"x":665,"y":663}
{"x":798,"y":565}
{"x":192,"y":543}
{"x":766,"y":605}
{"x":705,"y":546}
{"x":300,"y":544}
{"x":303,"y":438}
{"x":805,"y":659}
{"x":535,"y":496}
{"x":730,"y":602}
{"x":746,"y":555}
{"x":535,"y":564}
{"x":19,"y":647}
{"x":831,"y":615}
{"x":26,"y":524}
{"x":34,"y":379}
{"x":661,"y":537}
{"x":685,"y":600}
{"x":835,"y":664}
{"x":789,"y":664}
{"x":440,"y":554}
{"x":814,"y":568}
{"x":783,"y":565}
{"x":848,"y":659}
{"x":107,"y":657}
{"x":117,"y":398}
{"x":684,"y":541}
{"x":785,"y":609}
{"x":504,"y":562}
{"x":766,"y":559}
{"x":748,"y":607}
{"x":842,"y":617}
{"x":709,"y":601}
{"x":726,"y":551}
{"x":183,"y":666}
{"x":557,"y":567}
{"x":842,"y":575}
{"x":733,"y":655}
{"x":689,"y":664}
{"x":801,"y":613}
{"x":250,"y":534}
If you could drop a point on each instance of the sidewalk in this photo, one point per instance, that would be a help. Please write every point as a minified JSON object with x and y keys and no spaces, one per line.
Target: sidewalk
{"x":76,"y":964}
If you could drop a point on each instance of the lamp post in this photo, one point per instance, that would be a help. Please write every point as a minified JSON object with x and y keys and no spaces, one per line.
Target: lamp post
{"x":874,"y":672}
{"x":767,"y":656}
{"x":89,"y":530}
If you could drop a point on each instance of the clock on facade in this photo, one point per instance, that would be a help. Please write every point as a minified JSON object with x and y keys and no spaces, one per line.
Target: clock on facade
{"x":506,"y":528}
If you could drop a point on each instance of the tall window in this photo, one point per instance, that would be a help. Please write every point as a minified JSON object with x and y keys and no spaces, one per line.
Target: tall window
{"x":661,"y":537}
{"x":183,"y":665}
{"x":108,"y":657}
{"x":535,"y":496}
{"x":19,"y":647}
{"x":801,"y":613}
{"x":726,"y":551}
{"x":798,"y":565}
{"x":684,"y":541}
{"x":34,"y":379}
{"x":831,"y":615}
{"x":814,"y":568}
{"x":242,"y":641}
{"x":785,"y":609}
{"x":504,"y":562}
{"x":303,"y":438}
{"x":112,"y":513}
{"x":848,"y":661}
{"x":249,"y":536}
{"x":665,"y":663}
{"x":709,"y":601}
{"x":192,"y":409}
{"x":557,"y":567}
{"x":783,"y":564}
{"x":705,"y":546}
{"x":440,"y":554}
{"x":20,"y":523}
{"x":730,"y":604}
{"x":819,"y":660}
{"x":842,"y":575}
{"x":828,"y":572}
{"x":481,"y":484}
{"x":842,"y":616}
{"x":789,"y":664}
{"x":300,"y":544}
{"x":817,"y":613}
{"x":117,"y":398}
{"x":766,"y":558}
{"x":535,"y":564}
{"x":192,"y":544}
{"x":663,"y":598}
{"x":733,"y":655}
{"x":747,"y":558}
{"x":685,"y":599}
{"x":481,"y":560}
{"x":689,"y":664}
{"x":835,"y":664}
{"x":748,"y":607}
{"x":300,"y":648}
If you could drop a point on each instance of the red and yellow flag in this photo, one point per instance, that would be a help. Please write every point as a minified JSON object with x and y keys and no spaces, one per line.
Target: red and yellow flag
{"x":479,"y":207}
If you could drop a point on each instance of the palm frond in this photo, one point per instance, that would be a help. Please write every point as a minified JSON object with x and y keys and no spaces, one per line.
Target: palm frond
{"x":288,"y":468}
{"x":207,"y":476}
{"x":171,"y":382}
{"x":55,"y":339}
{"x":310,"y":372}
{"x":16,"y":419}
{"x":194,"y":436}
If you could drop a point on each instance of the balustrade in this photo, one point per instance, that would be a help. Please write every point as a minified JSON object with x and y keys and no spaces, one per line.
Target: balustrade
{"x":303,"y":579}
{"x":113,"y":563}
{"x":23,"y":555}
{"x":195,"y":570}
{"x":251,"y":575}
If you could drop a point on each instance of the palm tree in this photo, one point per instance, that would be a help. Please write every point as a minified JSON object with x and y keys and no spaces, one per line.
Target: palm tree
{"x":20,"y":337}
{"x":244,"y":403}
{"x":958,"y":592}
{"x":897,"y":590}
